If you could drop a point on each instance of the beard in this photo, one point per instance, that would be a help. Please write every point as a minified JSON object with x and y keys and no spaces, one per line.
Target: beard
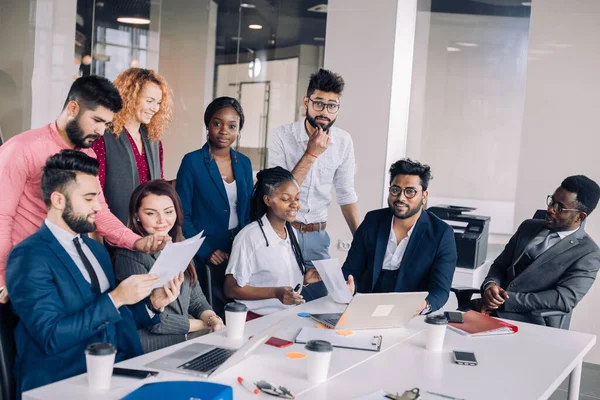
{"x":76,"y":135}
{"x":405,"y":215}
{"x":313,"y":122}
{"x":77,"y":222}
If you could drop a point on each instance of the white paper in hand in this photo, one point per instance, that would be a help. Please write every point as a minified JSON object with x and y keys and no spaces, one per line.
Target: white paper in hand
{"x":331,"y":274}
{"x":175,"y":258}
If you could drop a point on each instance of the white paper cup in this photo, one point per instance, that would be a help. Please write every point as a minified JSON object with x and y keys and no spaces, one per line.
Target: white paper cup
{"x":99,"y":359}
{"x":235,"y":319}
{"x":436,"y":331}
{"x":318,"y":358}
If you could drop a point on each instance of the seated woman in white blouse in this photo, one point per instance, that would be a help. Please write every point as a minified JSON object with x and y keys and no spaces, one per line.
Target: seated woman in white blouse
{"x":266,"y":265}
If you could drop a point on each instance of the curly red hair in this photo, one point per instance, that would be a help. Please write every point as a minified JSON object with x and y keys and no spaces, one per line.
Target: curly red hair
{"x":130,"y":84}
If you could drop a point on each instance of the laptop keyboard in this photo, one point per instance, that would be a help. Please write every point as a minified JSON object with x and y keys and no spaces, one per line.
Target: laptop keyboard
{"x":208,"y":362}
{"x":330,"y":322}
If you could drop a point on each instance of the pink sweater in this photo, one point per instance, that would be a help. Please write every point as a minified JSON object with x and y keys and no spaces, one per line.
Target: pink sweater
{"x":22,"y":209}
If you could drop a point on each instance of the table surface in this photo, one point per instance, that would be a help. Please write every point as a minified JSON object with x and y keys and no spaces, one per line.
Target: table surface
{"x":528,"y":365}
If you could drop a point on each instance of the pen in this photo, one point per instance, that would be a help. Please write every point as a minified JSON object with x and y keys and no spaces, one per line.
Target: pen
{"x":298,"y":286}
{"x":444,"y":396}
{"x":252,"y":388}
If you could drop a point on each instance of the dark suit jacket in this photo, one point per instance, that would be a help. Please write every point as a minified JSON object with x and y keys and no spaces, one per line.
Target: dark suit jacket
{"x":427,"y":265}
{"x":204,"y":199}
{"x":174,"y":321}
{"x":558,"y":279}
{"x":59,"y":312}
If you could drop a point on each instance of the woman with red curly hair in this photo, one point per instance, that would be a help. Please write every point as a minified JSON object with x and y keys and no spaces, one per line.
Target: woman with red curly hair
{"x":132,"y":154}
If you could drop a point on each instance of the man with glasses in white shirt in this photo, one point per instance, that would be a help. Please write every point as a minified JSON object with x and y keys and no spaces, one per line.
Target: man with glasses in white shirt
{"x":321,"y":157}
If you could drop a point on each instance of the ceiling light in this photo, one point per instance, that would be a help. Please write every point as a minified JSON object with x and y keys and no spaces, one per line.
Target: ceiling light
{"x":540,"y":52}
{"x":319,"y":8}
{"x":133,"y":20}
{"x":247,"y":5}
{"x":560,"y":45}
{"x":452,"y":49}
{"x":319,"y":39}
{"x":255,"y":26}
{"x":526,"y":3}
{"x":236,"y":38}
{"x":467,"y":44}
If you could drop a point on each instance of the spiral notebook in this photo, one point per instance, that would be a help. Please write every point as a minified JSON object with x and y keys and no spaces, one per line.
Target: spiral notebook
{"x":359,"y":340}
{"x":477,"y":324}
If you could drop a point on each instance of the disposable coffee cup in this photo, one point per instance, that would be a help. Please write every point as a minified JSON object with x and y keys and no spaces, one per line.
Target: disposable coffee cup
{"x":235,"y":319}
{"x":436,"y":330}
{"x":99,"y":359}
{"x":318,"y":358}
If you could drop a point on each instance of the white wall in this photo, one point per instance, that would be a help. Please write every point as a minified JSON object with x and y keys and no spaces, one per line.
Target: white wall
{"x":467,"y":108}
{"x":372,"y":48}
{"x":37,"y":62}
{"x":186,"y":60}
{"x":560,"y":123}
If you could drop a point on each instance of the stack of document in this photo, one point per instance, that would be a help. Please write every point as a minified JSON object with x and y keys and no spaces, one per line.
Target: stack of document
{"x":175,"y":258}
{"x":477,"y":324}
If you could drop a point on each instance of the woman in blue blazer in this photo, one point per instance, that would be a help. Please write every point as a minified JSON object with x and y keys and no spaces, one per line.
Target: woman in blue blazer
{"x":215,"y":184}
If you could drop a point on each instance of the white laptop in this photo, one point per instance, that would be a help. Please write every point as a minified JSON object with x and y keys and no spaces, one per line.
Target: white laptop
{"x":375,"y":311}
{"x":204,"y":360}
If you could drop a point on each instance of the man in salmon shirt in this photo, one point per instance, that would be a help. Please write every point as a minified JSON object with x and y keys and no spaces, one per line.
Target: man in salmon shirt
{"x":88,"y":112}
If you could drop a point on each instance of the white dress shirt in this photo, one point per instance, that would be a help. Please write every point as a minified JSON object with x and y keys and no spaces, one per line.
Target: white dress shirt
{"x":334,"y":168}
{"x":232,"y":196}
{"x":395,"y":251}
{"x":65,"y":238}
{"x":253,"y":263}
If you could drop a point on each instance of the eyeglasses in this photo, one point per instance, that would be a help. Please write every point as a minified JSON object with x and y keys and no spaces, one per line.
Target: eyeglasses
{"x":409,"y":192}
{"x":332,"y":108}
{"x":273,"y":390}
{"x":557,"y":207}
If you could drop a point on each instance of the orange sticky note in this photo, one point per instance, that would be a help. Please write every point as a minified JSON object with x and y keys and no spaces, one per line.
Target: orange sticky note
{"x":321,"y":326}
{"x":343,"y":332}
{"x":295,"y":355}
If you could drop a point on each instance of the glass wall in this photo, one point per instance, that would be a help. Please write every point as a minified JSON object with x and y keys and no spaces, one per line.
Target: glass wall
{"x":467,"y":102}
{"x":264,"y":52}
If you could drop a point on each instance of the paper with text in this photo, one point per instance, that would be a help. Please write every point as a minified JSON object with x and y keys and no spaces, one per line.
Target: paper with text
{"x":175,"y":258}
{"x":331,"y":274}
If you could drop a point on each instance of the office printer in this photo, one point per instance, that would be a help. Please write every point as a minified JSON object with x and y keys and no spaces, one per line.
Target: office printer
{"x":470,"y":233}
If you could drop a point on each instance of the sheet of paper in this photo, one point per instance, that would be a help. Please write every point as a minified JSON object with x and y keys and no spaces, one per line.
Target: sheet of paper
{"x":175,"y":258}
{"x":331,"y":274}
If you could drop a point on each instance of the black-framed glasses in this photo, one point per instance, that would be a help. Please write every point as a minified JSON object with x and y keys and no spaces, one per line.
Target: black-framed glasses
{"x":332,"y":108}
{"x":409,"y":192}
{"x":557,"y":207}
{"x":277,"y":391}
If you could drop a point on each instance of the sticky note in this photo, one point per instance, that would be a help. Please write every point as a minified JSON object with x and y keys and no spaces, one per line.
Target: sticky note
{"x":321,"y":326}
{"x":344,"y":332}
{"x":382,"y":310}
{"x":295,"y":355}
{"x":304,"y":314}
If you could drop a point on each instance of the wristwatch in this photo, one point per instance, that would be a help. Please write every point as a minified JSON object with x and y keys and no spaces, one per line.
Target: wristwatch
{"x":151,"y":306}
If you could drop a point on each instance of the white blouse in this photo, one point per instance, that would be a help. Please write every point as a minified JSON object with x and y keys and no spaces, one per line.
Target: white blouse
{"x":232,"y":196}
{"x":253,"y":263}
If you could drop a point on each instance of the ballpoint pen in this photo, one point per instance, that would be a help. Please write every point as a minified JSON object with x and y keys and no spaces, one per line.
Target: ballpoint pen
{"x":251,"y":388}
{"x":444,"y":396}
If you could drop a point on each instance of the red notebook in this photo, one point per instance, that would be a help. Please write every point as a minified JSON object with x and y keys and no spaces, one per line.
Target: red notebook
{"x":477,"y":324}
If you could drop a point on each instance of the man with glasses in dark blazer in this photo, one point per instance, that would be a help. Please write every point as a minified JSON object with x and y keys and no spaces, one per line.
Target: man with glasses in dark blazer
{"x":547,"y":264}
{"x":403,"y":247}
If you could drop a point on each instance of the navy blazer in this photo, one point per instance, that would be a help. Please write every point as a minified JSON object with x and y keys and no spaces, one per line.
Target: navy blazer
{"x":204,"y":199}
{"x":60,"y":314}
{"x":427,"y":265}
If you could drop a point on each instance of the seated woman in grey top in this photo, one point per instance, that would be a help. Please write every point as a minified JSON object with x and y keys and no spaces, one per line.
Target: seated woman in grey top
{"x":155,"y":208}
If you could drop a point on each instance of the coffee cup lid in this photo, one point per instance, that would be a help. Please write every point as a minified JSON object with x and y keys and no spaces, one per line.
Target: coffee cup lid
{"x":100,"y":349}
{"x":234,"y":306}
{"x":320,"y":346}
{"x":436,"y":319}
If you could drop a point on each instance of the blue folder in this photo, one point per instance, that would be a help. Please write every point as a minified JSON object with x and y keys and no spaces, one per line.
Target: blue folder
{"x":181,"y":390}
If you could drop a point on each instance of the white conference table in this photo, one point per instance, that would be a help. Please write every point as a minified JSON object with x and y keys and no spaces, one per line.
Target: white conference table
{"x":528,"y":365}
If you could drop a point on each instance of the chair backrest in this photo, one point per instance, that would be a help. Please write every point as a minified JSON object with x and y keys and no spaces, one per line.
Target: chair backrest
{"x":8,"y":322}
{"x":539,"y":214}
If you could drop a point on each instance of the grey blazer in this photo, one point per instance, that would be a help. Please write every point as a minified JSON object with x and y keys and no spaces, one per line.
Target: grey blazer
{"x":174,"y":321}
{"x":558,"y":279}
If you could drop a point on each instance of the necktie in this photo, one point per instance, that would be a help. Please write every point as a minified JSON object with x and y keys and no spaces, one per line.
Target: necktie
{"x":536,"y":250}
{"x":87,"y":264}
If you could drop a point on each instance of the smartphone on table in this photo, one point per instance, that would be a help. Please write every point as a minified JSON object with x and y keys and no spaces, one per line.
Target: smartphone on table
{"x":464,"y":357}
{"x":133,"y":373}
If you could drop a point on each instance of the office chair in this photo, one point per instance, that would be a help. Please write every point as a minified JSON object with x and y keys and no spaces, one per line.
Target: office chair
{"x":8,"y":322}
{"x":463,"y":297}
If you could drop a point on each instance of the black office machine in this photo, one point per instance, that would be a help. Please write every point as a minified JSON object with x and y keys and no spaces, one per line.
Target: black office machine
{"x":470,"y":232}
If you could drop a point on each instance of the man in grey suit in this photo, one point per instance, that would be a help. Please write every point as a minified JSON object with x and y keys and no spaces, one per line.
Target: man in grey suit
{"x":547,"y":264}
